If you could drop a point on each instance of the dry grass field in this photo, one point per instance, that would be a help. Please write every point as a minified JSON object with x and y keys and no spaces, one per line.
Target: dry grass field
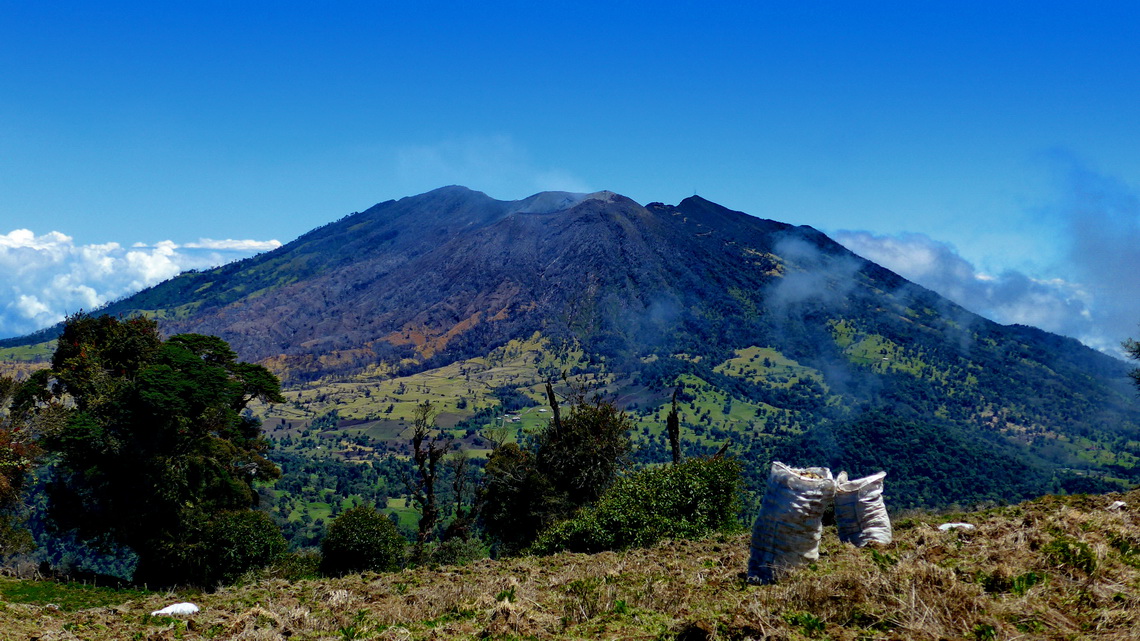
{"x":1054,"y":568}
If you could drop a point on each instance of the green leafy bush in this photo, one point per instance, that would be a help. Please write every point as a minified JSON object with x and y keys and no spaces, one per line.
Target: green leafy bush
{"x":458,"y":552}
{"x":215,"y":551}
{"x":361,"y":539}
{"x":240,"y":541}
{"x":296,"y":565}
{"x":1067,"y":553}
{"x":689,"y":500}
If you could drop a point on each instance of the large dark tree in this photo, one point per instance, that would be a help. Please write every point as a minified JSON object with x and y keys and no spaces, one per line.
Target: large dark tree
{"x":157,"y":451}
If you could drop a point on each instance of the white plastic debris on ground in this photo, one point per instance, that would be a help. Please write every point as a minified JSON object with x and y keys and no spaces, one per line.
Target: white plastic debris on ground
{"x":790,"y":522}
{"x":860,"y":514}
{"x":946,"y":527}
{"x":177,"y":608}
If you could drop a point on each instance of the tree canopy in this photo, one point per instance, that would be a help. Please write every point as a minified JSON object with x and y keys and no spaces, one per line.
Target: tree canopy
{"x":155,"y":444}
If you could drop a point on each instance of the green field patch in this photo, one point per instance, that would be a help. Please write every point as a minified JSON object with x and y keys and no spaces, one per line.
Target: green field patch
{"x":408,"y":517}
{"x":881,"y":354}
{"x":768,"y":366}
{"x":318,"y":510}
{"x":25,"y":353}
{"x":68,"y":597}
{"x":180,"y":312}
{"x":703,"y":416}
{"x":457,"y":390}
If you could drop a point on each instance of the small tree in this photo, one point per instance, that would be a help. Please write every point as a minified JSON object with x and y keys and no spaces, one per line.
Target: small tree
{"x":673,"y":426}
{"x":1132,"y":348}
{"x":465,"y":508}
{"x":582,"y":453}
{"x":360,"y":539}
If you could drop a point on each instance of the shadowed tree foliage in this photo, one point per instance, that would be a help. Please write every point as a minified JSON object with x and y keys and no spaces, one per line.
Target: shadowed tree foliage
{"x":18,"y":453}
{"x":582,"y":452}
{"x":155,"y":446}
{"x":518,"y":499}
{"x":570,"y":463}
{"x":362,"y":538}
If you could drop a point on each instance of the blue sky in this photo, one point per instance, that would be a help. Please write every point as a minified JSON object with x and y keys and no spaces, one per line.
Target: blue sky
{"x":988,"y":150}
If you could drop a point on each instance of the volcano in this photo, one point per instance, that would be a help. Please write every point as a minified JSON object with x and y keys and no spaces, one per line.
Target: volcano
{"x":781,"y":318}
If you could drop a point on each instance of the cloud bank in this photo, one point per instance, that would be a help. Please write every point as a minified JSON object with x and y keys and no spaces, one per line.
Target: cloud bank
{"x":1096,"y":301}
{"x":1054,"y":305}
{"x":44,"y":278}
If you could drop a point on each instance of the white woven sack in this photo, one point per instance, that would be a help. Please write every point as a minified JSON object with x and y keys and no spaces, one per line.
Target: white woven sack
{"x":790,"y":522}
{"x":859,"y":511}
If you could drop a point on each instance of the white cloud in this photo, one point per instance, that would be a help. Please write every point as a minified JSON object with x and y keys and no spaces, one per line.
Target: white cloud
{"x":1097,"y":221}
{"x":43,"y":278}
{"x":230,"y":244}
{"x":1055,"y":304}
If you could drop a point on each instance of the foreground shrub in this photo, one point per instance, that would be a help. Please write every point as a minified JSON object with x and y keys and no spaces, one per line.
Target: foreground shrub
{"x":459,"y":552}
{"x":360,"y":539}
{"x":296,"y":565}
{"x":690,"y":500}
{"x":218,"y":551}
{"x":240,"y":541}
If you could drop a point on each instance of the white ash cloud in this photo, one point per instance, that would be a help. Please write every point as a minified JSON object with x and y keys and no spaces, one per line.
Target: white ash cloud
{"x":45,"y":277}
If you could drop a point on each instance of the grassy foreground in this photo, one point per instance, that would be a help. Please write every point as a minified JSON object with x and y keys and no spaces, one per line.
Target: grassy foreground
{"x":1055,"y":568}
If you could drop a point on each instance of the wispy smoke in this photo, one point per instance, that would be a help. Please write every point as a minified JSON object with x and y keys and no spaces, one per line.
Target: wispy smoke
{"x":43,"y":278}
{"x":496,"y":165}
{"x":812,"y":275}
{"x":1096,"y":302}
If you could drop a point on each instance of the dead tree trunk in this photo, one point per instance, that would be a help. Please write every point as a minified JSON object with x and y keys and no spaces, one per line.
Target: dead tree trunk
{"x":673,"y":424}
{"x":427,"y":451}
